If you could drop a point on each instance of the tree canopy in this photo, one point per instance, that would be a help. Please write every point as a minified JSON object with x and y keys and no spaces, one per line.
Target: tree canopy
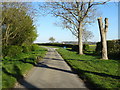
{"x":17,"y":25}
{"x":52,"y":39}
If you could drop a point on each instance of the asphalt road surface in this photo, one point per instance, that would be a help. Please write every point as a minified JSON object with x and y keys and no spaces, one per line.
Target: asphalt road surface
{"x":52,"y":72}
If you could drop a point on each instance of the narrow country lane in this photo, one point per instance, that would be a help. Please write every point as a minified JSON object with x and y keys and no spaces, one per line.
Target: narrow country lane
{"x":52,"y":72}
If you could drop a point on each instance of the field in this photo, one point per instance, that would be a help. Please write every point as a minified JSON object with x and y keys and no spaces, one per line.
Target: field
{"x":98,"y":73}
{"x":92,"y":47}
{"x":14,"y":69}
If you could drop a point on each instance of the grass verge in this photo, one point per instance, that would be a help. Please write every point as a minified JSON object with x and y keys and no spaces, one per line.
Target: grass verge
{"x":101,"y":74}
{"x":13,"y":69}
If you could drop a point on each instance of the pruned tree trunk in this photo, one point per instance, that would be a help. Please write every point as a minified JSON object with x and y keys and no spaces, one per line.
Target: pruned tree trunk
{"x":80,"y":44}
{"x":103,"y":31}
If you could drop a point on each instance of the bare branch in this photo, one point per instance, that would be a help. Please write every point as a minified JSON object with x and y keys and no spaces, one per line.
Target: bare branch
{"x":68,"y":19}
{"x":101,"y":3}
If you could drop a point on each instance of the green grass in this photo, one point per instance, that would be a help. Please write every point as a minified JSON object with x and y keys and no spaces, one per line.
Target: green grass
{"x":14,"y":68}
{"x":100,"y":73}
{"x":92,"y":47}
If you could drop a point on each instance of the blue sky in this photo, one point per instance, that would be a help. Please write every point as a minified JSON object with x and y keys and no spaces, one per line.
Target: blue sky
{"x":46,"y":28}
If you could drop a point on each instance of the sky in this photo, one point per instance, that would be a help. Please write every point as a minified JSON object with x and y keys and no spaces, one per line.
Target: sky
{"x":46,"y":28}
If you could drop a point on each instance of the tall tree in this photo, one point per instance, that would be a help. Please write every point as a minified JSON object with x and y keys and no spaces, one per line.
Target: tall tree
{"x":73,"y":15}
{"x":52,"y":39}
{"x":17,"y":25}
{"x":103,"y":32}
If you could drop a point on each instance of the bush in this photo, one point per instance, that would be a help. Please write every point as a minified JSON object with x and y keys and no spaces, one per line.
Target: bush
{"x":34,"y":47}
{"x":86,"y":47}
{"x":14,"y":50}
{"x":98,"y":48}
{"x":4,"y":50}
{"x":75,"y":48}
{"x":26,"y":48}
{"x":113,"y":48}
{"x":11,"y":51}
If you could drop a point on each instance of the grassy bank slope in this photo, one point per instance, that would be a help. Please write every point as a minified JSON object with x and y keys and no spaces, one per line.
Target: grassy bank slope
{"x":100,"y":73}
{"x":13,"y":69}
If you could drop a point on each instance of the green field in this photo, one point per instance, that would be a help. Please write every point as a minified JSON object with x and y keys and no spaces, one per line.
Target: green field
{"x":99,"y":73}
{"x":92,"y":47}
{"x":13,"y":69}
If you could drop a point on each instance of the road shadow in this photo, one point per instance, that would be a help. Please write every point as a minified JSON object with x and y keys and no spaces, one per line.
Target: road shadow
{"x":90,"y":84}
{"x":20,"y":78}
{"x":53,"y":59}
{"x":72,"y":50}
{"x":46,"y":66}
{"x":80,"y":60}
{"x":85,"y":60}
{"x":89,"y":53}
{"x":100,"y":74}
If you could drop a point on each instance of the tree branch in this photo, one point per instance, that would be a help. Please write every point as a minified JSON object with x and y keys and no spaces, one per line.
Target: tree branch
{"x":66,"y":19}
{"x":68,"y":10}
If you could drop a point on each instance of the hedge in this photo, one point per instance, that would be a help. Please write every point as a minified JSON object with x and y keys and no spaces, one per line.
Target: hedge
{"x":57,"y":44}
{"x":11,"y":51}
{"x":85,"y":47}
{"x":14,"y":50}
{"x":34,"y":47}
{"x":26,"y":48}
{"x":113,"y":48}
{"x":74,"y":47}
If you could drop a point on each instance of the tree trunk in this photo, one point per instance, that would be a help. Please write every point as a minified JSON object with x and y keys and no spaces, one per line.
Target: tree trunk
{"x":80,"y":44}
{"x":103,"y":32}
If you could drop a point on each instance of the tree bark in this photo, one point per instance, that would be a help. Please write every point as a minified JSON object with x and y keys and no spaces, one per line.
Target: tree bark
{"x":7,"y":35}
{"x":80,"y":44}
{"x":103,"y":32}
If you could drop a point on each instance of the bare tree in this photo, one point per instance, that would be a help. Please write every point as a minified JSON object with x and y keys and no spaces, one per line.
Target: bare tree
{"x":87,"y":35}
{"x":103,"y":31}
{"x":73,"y":15}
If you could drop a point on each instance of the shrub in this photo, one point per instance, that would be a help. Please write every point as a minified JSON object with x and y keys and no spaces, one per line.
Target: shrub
{"x":4,"y":50}
{"x":34,"y":47}
{"x":75,"y":48}
{"x":86,"y":47}
{"x":98,"y":48}
{"x":113,"y":48}
{"x":11,"y":50}
{"x":26,"y":48}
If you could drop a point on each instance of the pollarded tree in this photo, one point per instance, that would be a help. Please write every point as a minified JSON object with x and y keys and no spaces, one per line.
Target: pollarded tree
{"x":73,"y":15}
{"x":103,"y":32}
